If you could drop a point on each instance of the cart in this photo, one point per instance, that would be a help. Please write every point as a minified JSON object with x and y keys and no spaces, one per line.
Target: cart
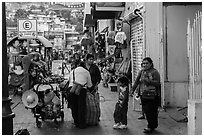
{"x":44,"y":110}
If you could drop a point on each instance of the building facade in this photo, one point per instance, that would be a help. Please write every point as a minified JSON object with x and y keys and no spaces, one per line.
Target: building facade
{"x":159,"y":30}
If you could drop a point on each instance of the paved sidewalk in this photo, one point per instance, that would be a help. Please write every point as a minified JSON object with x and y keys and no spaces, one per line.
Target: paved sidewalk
{"x":24,"y":119}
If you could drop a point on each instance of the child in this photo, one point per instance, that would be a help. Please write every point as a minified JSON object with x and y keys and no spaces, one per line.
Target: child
{"x":121,"y":107}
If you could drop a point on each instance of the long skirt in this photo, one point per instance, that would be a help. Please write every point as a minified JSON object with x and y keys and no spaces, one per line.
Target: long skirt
{"x":78,"y":107}
{"x":150,"y":108}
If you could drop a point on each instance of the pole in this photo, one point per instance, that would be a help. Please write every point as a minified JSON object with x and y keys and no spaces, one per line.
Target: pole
{"x":7,"y":114}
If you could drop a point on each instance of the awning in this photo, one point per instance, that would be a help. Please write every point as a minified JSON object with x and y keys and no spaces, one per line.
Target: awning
{"x":107,"y":10}
{"x":45,"y":42}
{"x":89,"y":21}
{"x":105,"y":30}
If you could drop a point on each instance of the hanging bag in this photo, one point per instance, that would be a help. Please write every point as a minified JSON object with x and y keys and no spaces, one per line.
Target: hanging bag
{"x":76,"y":88}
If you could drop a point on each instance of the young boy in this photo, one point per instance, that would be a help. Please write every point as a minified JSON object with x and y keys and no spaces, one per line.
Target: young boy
{"x":121,"y":107}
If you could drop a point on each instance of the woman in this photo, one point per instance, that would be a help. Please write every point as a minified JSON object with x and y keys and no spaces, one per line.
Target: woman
{"x":94,"y":71}
{"x":78,"y":102}
{"x":132,"y":95}
{"x":148,"y":80}
{"x":95,"y":79}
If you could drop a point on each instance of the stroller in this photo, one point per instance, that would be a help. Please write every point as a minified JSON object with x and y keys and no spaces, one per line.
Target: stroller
{"x":44,"y":100}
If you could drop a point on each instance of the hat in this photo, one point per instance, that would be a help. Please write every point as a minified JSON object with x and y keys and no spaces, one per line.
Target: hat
{"x":34,"y":45}
{"x":14,"y":53}
{"x":35,"y":53}
{"x":18,"y":70}
{"x":30,"y":99}
{"x":49,"y":95}
{"x":41,"y":88}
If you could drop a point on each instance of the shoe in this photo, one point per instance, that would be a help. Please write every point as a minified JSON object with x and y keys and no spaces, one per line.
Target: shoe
{"x":75,"y":124}
{"x":122,"y":126}
{"x":141,"y":117}
{"x":148,"y":130}
{"x":116,"y":125}
{"x":82,"y":126}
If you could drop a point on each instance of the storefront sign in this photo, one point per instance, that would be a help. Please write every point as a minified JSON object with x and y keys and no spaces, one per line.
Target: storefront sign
{"x":58,"y":42}
{"x":27,"y":28}
{"x":57,"y":67}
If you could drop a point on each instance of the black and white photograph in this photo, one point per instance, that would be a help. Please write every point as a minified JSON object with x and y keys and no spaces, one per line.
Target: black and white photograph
{"x":101,"y":68}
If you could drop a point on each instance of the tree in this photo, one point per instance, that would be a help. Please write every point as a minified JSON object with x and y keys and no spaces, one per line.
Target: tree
{"x":21,"y":13}
{"x":66,"y":14}
{"x":74,"y":21}
{"x":79,"y":27}
{"x":33,"y":7}
{"x":42,"y":8}
{"x":11,"y":23}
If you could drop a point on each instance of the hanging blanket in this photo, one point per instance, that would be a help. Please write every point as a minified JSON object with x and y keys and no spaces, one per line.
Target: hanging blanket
{"x":123,"y":68}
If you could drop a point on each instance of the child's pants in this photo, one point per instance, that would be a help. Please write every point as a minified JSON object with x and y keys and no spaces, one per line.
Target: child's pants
{"x":120,"y":114}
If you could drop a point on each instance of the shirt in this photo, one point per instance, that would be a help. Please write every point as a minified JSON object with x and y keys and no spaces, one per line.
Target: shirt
{"x":120,"y":37}
{"x":123,"y":97}
{"x":82,"y":76}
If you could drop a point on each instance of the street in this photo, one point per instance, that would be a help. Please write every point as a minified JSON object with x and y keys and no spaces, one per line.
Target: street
{"x":154,"y":44}
{"x":24,"y":119}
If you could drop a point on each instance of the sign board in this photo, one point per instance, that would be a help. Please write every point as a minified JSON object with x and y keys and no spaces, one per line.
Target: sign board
{"x":58,"y":42}
{"x":57,"y":67}
{"x":27,"y":28}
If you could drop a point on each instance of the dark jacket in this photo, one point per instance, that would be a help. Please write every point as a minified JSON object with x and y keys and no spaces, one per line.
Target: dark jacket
{"x":153,"y":76}
{"x":95,"y":74}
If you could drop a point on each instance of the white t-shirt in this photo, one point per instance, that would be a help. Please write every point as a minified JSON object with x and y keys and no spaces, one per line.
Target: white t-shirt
{"x":120,"y":37}
{"x":82,"y":76}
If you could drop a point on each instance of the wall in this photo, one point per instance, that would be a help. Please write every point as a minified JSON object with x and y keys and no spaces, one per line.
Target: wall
{"x":153,"y":24}
{"x":129,"y":7}
{"x":195,"y":117}
{"x":177,"y":41}
{"x":153,"y":20}
{"x":176,"y":84}
{"x":175,"y":94}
